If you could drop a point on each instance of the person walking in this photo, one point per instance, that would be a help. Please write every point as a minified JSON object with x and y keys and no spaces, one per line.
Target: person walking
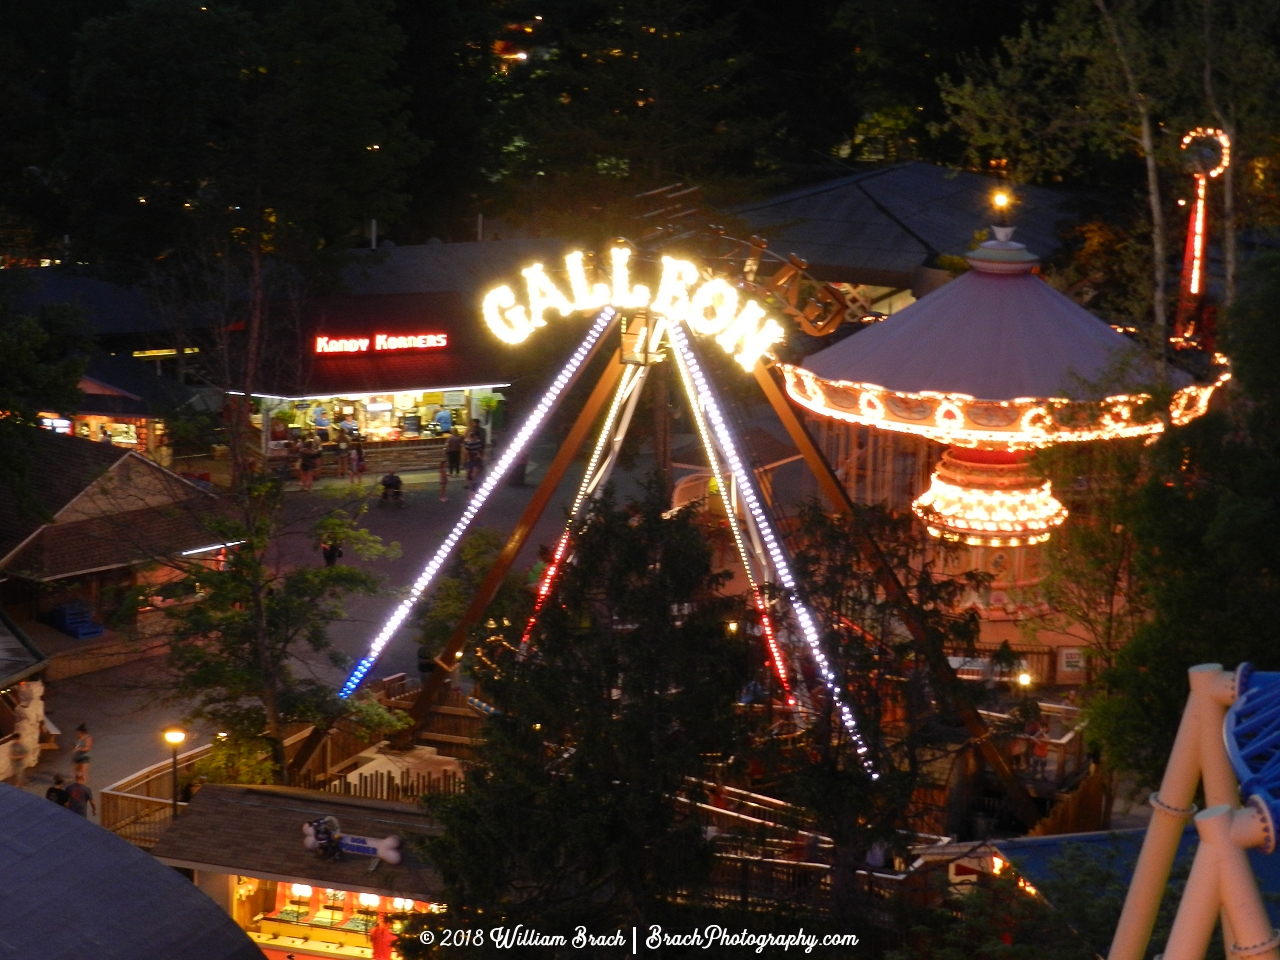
{"x":307,"y":463}
{"x":358,"y":464}
{"x":453,"y":450}
{"x":444,"y":481}
{"x":331,"y":551}
{"x":18,"y":761}
{"x":83,"y":750}
{"x":344,"y":456}
{"x":57,"y":793}
{"x":473,"y":444}
{"x":80,"y":797}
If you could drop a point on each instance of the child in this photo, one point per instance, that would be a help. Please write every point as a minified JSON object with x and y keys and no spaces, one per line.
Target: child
{"x":444,"y":481}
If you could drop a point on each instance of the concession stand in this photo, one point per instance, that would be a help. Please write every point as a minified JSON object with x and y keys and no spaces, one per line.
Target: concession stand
{"x":393,"y":372}
{"x":252,"y":850}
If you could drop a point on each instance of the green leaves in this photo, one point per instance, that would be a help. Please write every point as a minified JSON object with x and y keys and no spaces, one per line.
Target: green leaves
{"x":632,"y":676}
{"x":243,"y":654}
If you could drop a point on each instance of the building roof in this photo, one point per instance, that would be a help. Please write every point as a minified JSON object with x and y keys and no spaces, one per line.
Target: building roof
{"x":1034,"y":858}
{"x":108,"y":309}
{"x":257,"y":831}
{"x":19,"y":657}
{"x":466,"y":360}
{"x":992,"y":336}
{"x":880,"y":226}
{"x":469,"y":269}
{"x":146,"y":513}
{"x":62,"y":467}
{"x":122,"y":386}
{"x":121,"y":540}
{"x":74,"y":890}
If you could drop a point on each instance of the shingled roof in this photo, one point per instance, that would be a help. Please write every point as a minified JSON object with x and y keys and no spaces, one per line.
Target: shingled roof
{"x":73,"y":890}
{"x":257,"y":831}
{"x":145,"y":514}
{"x":881,"y":226}
{"x":62,"y":468}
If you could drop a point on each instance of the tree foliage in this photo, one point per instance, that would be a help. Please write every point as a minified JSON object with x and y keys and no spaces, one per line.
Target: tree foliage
{"x":244,"y":657}
{"x":910,"y":730}
{"x":45,"y":352}
{"x":568,"y":816}
{"x":1206,"y":523}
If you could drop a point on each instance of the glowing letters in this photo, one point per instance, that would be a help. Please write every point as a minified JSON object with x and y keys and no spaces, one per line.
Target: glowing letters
{"x":711,"y":309}
{"x":382,"y":341}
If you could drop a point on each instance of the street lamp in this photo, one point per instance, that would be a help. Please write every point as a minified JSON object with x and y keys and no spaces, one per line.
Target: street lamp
{"x":175,"y":736}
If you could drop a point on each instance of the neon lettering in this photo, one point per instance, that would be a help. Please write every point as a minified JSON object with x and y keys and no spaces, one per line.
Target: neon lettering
{"x":381,"y":341}
{"x":709,"y":310}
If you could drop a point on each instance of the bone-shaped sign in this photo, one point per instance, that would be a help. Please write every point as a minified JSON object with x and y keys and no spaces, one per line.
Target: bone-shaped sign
{"x":386,"y":849}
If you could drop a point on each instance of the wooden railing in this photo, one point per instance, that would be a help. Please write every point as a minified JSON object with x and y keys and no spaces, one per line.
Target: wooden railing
{"x":380,"y":785}
{"x":140,"y":820}
{"x":977,"y":664}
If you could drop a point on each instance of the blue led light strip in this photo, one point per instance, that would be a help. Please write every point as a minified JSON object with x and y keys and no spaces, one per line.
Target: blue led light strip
{"x":705,"y":399}
{"x":492,"y":479}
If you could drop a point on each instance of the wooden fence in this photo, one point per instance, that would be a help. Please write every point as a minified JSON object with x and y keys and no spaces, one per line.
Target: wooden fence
{"x":380,"y":785}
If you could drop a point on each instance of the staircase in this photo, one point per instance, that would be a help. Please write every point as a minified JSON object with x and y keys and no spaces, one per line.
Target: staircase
{"x":75,"y":620}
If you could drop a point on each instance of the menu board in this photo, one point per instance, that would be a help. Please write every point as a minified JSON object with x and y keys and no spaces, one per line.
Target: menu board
{"x":412,"y":423}
{"x":455,"y":398}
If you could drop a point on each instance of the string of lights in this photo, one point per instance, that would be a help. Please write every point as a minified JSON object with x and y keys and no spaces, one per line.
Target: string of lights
{"x":766,"y":622}
{"x":703,"y":401}
{"x":630,"y":382}
{"x":516,"y":448}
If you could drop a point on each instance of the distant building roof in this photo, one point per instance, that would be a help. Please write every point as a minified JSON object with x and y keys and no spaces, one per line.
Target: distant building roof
{"x":122,"y":386}
{"x":74,"y":890}
{"x":109,"y":309}
{"x":257,"y":831}
{"x":881,"y":226}
{"x":469,"y":269}
{"x":109,"y":507}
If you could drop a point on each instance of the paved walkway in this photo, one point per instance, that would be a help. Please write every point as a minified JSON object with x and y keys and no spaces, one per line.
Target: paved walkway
{"x":119,"y":706}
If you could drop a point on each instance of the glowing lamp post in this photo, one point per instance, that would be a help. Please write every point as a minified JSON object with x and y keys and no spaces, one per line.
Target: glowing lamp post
{"x":175,"y":737}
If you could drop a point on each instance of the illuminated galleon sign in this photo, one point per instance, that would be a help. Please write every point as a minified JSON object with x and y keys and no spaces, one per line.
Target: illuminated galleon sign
{"x":710,"y":308}
{"x":382,"y":341}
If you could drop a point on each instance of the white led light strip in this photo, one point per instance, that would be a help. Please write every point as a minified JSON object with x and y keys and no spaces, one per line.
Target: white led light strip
{"x":631,"y":379}
{"x":516,"y":447}
{"x":699,"y":417}
{"x":700,"y":393}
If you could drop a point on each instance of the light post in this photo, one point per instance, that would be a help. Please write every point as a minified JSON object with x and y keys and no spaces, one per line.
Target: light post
{"x":1001,"y":202}
{"x":175,"y":736}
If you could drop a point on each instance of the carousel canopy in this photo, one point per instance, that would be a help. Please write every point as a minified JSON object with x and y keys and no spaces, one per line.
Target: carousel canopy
{"x":998,"y":332}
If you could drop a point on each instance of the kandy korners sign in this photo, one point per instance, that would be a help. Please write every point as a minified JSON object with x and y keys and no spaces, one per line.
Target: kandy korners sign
{"x":382,"y":341}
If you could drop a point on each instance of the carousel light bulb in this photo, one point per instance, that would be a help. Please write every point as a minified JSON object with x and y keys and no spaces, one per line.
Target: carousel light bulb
{"x":301,"y":890}
{"x":1024,"y":679}
{"x":602,"y":322}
